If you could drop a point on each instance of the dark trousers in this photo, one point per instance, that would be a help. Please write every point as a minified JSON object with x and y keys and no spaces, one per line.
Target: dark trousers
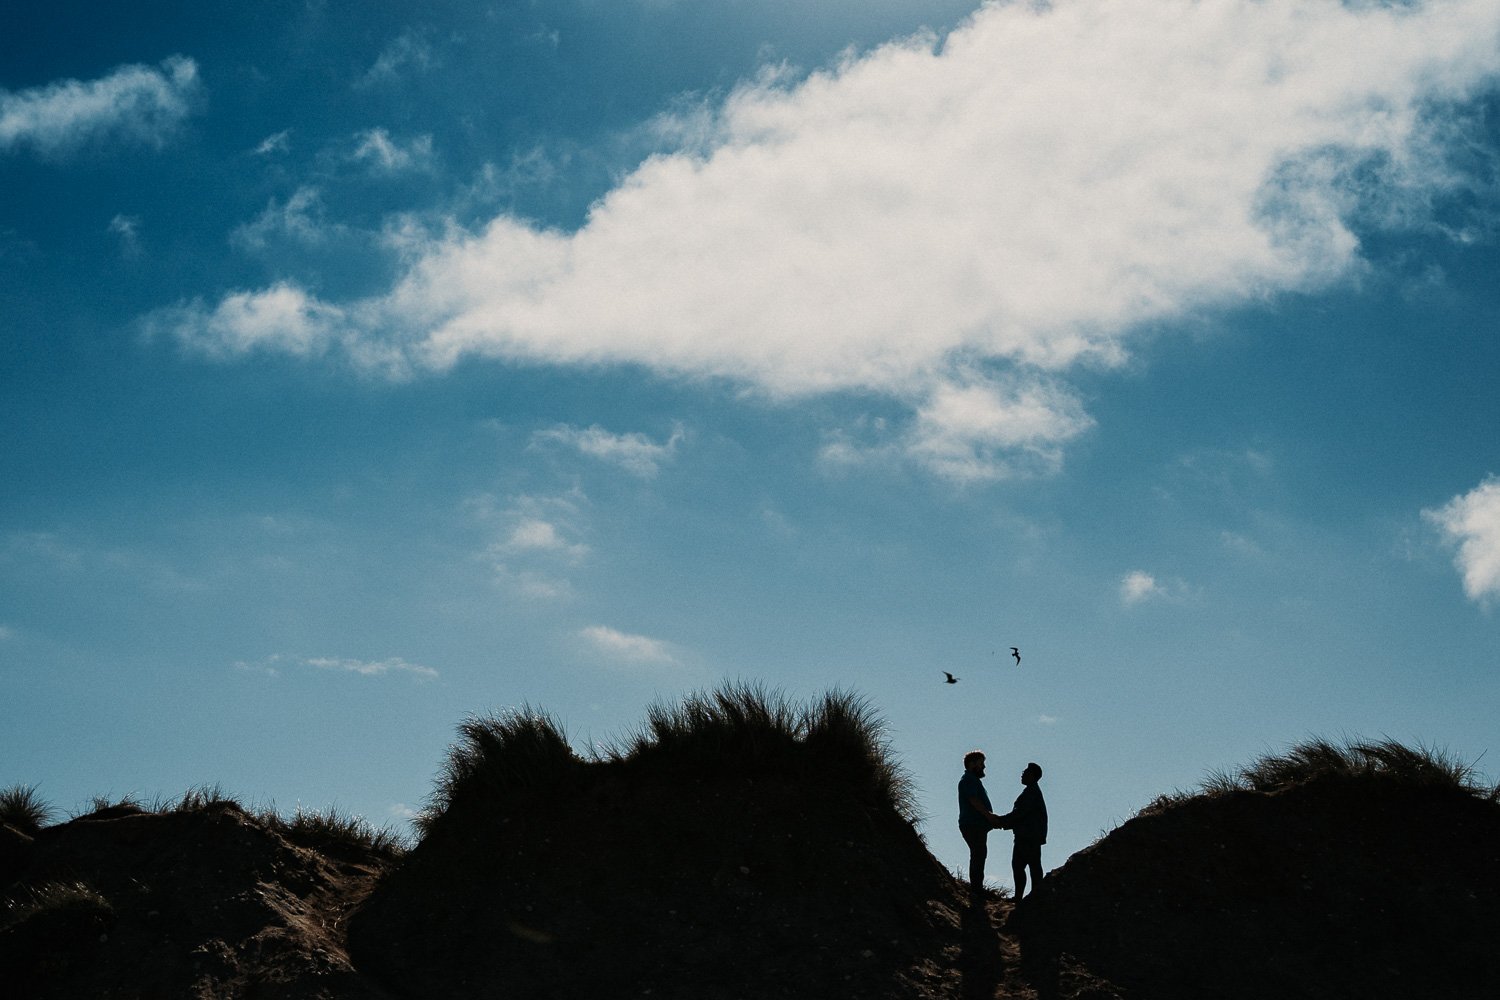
{"x":976,"y":837}
{"x":1026,"y":854}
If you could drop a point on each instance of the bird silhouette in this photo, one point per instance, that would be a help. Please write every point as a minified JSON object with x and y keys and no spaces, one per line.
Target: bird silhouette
{"x":1017,"y":654}
{"x":951,"y":679}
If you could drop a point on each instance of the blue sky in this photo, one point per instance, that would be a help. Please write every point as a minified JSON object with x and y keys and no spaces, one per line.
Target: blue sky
{"x":364,"y":368}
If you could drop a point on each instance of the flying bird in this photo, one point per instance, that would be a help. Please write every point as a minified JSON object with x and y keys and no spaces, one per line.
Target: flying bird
{"x":951,"y":679}
{"x":1017,"y":654}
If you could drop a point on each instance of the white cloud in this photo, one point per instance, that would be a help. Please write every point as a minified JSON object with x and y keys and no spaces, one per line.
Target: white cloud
{"x":273,"y":665}
{"x":1241,"y":545}
{"x":626,"y":647}
{"x":1138,"y":585}
{"x":954,"y":224}
{"x":1047,"y":720}
{"x":408,"y":51}
{"x":128,"y":229}
{"x":281,"y":318}
{"x":139,"y":104}
{"x":1471,"y":521}
{"x":280,"y":142}
{"x":533,"y":541}
{"x":973,"y":429}
{"x":988,"y":430}
{"x":376,"y":149}
{"x":372,"y":668}
{"x":635,"y":453}
{"x":300,"y":218}
{"x":6,"y":633}
{"x":533,"y":534}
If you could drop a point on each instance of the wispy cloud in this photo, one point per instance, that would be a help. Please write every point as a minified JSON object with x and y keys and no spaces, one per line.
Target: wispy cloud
{"x":626,"y":647}
{"x":373,"y":668}
{"x":301,"y":218}
{"x":635,"y":453}
{"x":1138,"y":586}
{"x":972,"y":429}
{"x":534,"y":541}
{"x":274,"y":665}
{"x":280,"y":142}
{"x":1471,"y":521}
{"x":128,"y":229}
{"x":955,"y":224}
{"x":379,"y":152}
{"x":6,"y":633}
{"x":280,"y":318}
{"x":531,"y":534}
{"x":407,"y":53}
{"x":137,"y":104}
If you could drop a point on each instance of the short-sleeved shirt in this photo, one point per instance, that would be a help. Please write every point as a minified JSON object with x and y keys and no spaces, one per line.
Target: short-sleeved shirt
{"x":970,"y":787}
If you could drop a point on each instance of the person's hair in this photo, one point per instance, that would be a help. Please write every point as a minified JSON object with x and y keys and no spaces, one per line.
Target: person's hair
{"x":972,"y":756}
{"x":1035,"y":769}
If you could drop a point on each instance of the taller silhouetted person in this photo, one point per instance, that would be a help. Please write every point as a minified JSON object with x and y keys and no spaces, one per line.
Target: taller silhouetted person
{"x":1028,"y":819}
{"x":975,"y":820}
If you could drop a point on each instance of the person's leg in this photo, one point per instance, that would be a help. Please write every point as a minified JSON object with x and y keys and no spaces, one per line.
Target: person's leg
{"x":977,"y":839}
{"x":1035,"y":863}
{"x":1018,"y":868}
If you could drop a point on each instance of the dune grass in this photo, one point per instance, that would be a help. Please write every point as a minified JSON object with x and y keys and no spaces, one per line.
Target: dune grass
{"x":331,"y":828}
{"x":56,"y":899}
{"x":744,"y":727}
{"x":739,"y":724}
{"x":496,"y":754}
{"x":735,"y":729}
{"x":22,"y":808}
{"x":1319,"y":758}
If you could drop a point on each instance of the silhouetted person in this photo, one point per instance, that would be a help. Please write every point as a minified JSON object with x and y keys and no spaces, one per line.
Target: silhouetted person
{"x":975,"y":819}
{"x":1028,"y":819}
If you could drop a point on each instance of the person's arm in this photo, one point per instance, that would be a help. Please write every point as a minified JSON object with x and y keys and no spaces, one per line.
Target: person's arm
{"x":978,"y":805}
{"x":1025,"y":808}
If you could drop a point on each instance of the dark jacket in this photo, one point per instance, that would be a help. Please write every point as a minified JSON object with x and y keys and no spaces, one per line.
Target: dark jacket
{"x":1028,"y":818}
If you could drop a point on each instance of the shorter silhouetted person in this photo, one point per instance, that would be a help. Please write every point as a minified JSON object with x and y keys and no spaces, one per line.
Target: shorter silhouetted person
{"x":975,"y":819}
{"x":1028,"y":820}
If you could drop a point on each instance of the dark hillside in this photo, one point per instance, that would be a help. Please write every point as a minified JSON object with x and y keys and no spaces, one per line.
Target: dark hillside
{"x":736,"y":849}
{"x":204,"y":900}
{"x":1366,"y":871}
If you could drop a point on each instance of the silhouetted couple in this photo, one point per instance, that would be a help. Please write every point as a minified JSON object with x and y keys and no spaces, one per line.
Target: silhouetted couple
{"x":1027,"y":819}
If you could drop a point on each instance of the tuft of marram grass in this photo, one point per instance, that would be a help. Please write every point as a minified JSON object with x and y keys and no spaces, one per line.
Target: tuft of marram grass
{"x":737,"y":728}
{"x":496,"y":754}
{"x":203,"y":797}
{"x":53,"y":897}
{"x":845,"y":730}
{"x":330,"y":827}
{"x":22,"y":808}
{"x":739,"y":723}
{"x":1321,"y":758}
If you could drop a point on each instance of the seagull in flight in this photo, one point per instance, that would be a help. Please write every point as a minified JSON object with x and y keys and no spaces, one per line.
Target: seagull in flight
{"x":951,"y":679}
{"x":1017,"y":654}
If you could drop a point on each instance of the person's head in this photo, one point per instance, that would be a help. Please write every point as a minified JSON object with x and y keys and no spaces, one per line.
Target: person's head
{"x":1032,"y":774}
{"x":974,"y":761}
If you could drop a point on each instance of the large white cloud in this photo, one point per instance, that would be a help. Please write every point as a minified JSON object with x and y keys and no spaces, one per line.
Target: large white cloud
{"x":135,"y":103}
{"x":946,"y":221}
{"x":1472,"y":522}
